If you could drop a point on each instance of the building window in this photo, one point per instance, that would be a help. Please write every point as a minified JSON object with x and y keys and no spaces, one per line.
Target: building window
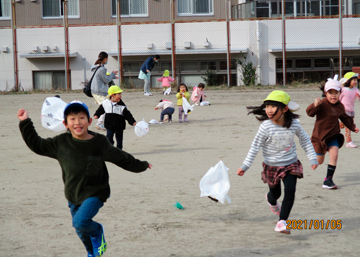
{"x":49,"y":80}
{"x":5,"y":9}
{"x":54,"y":8}
{"x":195,"y":7}
{"x":130,"y":8}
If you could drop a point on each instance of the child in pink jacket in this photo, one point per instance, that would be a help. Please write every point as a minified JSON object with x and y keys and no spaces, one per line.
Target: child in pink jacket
{"x":198,"y":94}
{"x":349,"y":93}
{"x":166,"y":79}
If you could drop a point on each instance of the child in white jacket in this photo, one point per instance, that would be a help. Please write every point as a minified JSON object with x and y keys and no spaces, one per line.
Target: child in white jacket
{"x":167,"y":108}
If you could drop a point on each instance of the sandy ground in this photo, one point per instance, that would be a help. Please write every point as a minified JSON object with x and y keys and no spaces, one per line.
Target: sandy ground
{"x":140,"y":219}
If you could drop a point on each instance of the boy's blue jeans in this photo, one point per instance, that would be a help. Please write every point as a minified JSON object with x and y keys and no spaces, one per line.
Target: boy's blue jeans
{"x":82,"y":220}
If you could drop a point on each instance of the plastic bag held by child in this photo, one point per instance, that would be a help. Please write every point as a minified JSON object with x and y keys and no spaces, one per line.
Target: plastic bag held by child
{"x":216,"y":183}
{"x":186,"y":106}
{"x":141,"y":128}
{"x":52,"y":114}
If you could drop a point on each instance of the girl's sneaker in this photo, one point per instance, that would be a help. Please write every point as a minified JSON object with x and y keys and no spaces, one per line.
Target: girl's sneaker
{"x":329,"y":183}
{"x":274,"y":208}
{"x":351,"y":145}
{"x":281,"y":227}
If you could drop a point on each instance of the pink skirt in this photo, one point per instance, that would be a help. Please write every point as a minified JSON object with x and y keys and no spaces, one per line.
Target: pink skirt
{"x":272,"y":174}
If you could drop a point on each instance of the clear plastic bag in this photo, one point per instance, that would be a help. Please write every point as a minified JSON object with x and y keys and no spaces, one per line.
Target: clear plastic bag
{"x":216,"y":183}
{"x":141,"y":128}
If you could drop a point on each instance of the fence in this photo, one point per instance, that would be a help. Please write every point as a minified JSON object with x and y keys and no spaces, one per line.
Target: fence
{"x":53,"y":43}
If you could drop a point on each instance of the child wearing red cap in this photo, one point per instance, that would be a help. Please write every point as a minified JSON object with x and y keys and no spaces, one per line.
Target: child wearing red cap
{"x":326,"y":136}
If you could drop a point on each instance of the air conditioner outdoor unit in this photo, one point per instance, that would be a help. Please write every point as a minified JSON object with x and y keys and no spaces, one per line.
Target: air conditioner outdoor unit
{"x":35,"y":49}
{"x":187,"y":44}
{"x":168,"y":45}
{"x":150,"y":45}
{"x":45,"y":48}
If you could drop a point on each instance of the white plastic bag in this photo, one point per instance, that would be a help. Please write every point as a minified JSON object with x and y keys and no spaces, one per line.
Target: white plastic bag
{"x":141,"y":128}
{"x":186,"y":106}
{"x":153,"y":121}
{"x":52,"y":114}
{"x":215,"y":183}
{"x":167,"y":91}
{"x":203,"y":103}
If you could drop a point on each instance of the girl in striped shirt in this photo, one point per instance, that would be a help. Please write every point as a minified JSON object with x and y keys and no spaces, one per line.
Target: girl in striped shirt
{"x":276,"y":138}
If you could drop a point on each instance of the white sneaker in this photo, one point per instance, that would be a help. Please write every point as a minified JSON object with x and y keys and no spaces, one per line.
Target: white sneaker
{"x":351,"y":145}
{"x":196,"y":104}
{"x":147,"y":94}
{"x":281,"y":227}
{"x":100,"y":126}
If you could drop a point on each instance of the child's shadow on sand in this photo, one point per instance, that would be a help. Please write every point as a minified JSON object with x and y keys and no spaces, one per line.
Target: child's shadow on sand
{"x":350,"y":179}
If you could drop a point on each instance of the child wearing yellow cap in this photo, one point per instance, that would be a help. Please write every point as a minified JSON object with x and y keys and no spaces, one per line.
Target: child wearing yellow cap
{"x":116,"y":113}
{"x":276,"y":138}
{"x":166,"y":79}
{"x":348,"y":95}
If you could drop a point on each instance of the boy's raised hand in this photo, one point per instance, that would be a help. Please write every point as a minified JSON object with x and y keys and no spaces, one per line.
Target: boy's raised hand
{"x":150,"y":165}
{"x":22,"y":114}
{"x":240,"y":172}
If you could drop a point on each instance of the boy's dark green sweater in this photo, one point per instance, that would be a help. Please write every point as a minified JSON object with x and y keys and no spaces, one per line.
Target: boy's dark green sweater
{"x":82,"y":161}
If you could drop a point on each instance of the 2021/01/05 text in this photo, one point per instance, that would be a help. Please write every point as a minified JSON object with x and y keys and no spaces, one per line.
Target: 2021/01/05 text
{"x":313,"y":224}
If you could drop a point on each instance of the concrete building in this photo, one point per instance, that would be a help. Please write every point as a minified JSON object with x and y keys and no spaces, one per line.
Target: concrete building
{"x":200,"y":30}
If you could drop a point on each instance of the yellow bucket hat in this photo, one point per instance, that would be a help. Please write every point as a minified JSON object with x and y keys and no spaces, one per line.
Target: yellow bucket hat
{"x":114,"y":90}
{"x":282,"y":97}
{"x":166,"y":73}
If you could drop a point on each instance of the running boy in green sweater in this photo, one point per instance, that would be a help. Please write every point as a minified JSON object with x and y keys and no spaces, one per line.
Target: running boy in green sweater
{"x":82,"y":155}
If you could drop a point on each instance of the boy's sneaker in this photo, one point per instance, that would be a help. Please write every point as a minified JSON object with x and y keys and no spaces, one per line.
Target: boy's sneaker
{"x":146,"y":94}
{"x":99,"y":243}
{"x":351,"y":145}
{"x":90,"y":255}
{"x":329,"y":184}
{"x":169,"y":121}
{"x":100,"y":126}
{"x":281,"y":227}
{"x":161,"y":122}
{"x":274,"y":208}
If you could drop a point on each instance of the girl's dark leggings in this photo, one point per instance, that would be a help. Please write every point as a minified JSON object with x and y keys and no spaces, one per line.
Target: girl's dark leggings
{"x":289,"y":197}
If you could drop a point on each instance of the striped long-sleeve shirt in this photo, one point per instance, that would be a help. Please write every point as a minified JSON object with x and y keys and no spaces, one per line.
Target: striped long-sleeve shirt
{"x":278,"y":145}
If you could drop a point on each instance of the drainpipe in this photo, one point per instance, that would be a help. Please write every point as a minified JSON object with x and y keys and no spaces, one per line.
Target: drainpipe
{"x":14,"y":38}
{"x":228,"y":53}
{"x":118,"y":24}
{"x":340,"y":39}
{"x":66,"y":33}
{"x":258,"y":52}
{"x":283,"y":41}
{"x":173,"y":56}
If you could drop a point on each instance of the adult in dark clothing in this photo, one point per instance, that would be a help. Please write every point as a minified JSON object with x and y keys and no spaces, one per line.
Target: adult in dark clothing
{"x":145,"y":72}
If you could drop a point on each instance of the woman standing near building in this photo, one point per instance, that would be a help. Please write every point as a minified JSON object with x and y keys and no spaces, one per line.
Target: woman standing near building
{"x":145,"y":72}
{"x":99,"y":84}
